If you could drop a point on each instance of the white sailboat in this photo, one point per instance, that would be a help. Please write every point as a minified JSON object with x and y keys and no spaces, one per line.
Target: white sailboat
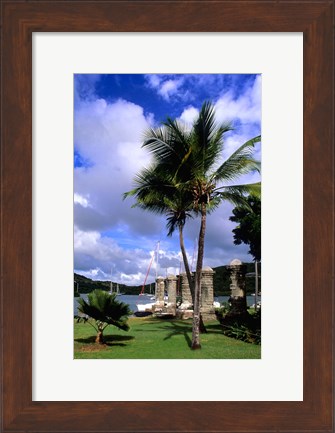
{"x":146,"y":308}
{"x":117,"y":290}
{"x":118,"y":293}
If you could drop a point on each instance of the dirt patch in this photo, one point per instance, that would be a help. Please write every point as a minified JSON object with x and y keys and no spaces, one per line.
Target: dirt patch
{"x":94,"y":348}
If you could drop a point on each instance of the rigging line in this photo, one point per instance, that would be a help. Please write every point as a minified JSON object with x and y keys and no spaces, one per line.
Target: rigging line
{"x":155,"y":254}
{"x":145,"y":279}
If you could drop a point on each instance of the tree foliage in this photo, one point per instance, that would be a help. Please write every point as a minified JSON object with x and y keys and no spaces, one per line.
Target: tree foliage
{"x":248,"y":230}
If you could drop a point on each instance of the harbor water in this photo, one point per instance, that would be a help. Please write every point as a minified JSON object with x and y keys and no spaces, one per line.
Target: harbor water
{"x":133,"y":300}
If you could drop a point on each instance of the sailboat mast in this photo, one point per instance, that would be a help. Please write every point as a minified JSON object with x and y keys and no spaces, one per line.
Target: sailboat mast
{"x":157,"y":251}
{"x":111,"y":280}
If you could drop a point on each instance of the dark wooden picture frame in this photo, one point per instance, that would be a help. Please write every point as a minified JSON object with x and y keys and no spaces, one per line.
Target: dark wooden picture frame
{"x":19,"y":20}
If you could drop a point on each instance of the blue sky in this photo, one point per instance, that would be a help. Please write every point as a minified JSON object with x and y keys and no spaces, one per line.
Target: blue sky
{"x":111,"y":112}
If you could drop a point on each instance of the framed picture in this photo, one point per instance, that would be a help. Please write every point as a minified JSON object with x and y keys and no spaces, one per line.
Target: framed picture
{"x":55,"y":60}
{"x":20,"y":22}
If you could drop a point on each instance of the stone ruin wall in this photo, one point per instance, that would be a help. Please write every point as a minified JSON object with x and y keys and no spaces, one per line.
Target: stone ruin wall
{"x":185,"y":291}
{"x":237,"y":287}
{"x":238,"y":299}
{"x":207,"y":293}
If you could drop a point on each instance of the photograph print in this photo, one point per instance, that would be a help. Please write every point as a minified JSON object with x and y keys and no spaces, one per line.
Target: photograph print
{"x":167,"y":216}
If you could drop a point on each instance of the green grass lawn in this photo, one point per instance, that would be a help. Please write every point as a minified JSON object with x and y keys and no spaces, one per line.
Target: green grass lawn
{"x":152,"y":338}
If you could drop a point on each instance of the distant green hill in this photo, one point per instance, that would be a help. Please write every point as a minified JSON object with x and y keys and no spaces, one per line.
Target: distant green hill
{"x":86,"y":285}
{"x":221,"y":283}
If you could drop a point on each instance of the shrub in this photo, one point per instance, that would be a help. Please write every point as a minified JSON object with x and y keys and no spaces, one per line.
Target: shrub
{"x":106,"y":310}
{"x":245,"y":327}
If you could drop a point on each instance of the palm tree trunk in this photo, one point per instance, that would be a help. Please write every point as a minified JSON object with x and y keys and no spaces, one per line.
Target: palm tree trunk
{"x":187,"y":268}
{"x":197,"y":287}
{"x":202,"y":327}
{"x":99,"y":339}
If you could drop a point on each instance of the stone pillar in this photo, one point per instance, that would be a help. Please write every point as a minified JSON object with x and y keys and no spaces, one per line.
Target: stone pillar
{"x":238,"y":297}
{"x":207,"y":294}
{"x":160,"y":285}
{"x":185,"y":289}
{"x":172,"y":289}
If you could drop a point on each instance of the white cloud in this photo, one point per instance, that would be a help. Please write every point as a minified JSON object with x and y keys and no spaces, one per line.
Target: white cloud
{"x":79,"y":199}
{"x":189,"y":115}
{"x":169,"y":88}
{"x":246,"y":107}
{"x":153,"y":80}
{"x":165,"y":85}
{"x":108,"y":136}
{"x":103,"y":130}
{"x":95,"y":253}
{"x":97,"y":256}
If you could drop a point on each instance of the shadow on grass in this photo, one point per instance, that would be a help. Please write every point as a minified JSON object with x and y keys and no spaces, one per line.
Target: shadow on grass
{"x":214,"y":329}
{"x":109,"y":340}
{"x":159,"y":325}
{"x":179,"y":329}
{"x":211,"y":329}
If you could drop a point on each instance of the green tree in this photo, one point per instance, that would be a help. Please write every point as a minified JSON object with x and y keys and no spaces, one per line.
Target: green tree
{"x":188,"y":159}
{"x":106,"y":310}
{"x":248,"y":230}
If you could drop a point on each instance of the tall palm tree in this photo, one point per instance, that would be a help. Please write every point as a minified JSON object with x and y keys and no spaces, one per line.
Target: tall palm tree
{"x":106,"y":310}
{"x":206,"y":183}
{"x":156,"y":191}
{"x":189,"y":159}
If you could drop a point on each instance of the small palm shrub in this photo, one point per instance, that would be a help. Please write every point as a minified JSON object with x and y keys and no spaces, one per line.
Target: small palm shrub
{"x":106,"y":310}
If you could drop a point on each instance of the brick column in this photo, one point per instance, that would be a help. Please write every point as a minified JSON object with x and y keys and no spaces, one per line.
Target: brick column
{"x":172,"y":289}
{"x":238,"y":297}
{"x":185,"y":289}
{"x":207,"y":294}
{"x":160,"y":285}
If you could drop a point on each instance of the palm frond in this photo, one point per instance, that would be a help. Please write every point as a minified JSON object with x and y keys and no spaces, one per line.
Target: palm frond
{"x":176,"y":219}
{"x":239,"y":163}
{"x":204,"y":126}
{"x":214,"y":151}
{"x":167,"y":144}
{"x":105,"y":308}
{"x":237,"y":194}
{"x":151,"y":184}
{"x":206,"y":142}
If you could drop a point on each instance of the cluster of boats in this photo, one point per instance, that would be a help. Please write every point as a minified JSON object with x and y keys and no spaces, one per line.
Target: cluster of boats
{"x":145,"y":309}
